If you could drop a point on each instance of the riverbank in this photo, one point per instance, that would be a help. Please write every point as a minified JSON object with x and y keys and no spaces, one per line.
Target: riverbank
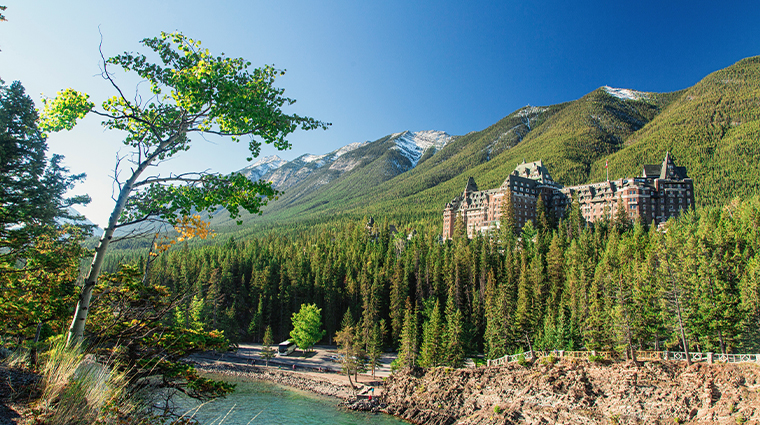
{"x":323,"y":383}
{"x":565,"y":392}
{"x":578,"y":392}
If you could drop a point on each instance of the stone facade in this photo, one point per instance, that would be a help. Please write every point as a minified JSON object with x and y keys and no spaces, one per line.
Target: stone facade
{"x":661,"y":192}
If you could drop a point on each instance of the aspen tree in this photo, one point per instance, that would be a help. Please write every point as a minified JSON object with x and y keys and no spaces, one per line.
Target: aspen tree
{"x":191,"y":92}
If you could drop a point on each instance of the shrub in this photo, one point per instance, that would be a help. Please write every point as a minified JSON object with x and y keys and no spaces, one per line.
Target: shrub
{"x":549,"y":360}
{"x":521,"y":360}
{"x":497,"y":409}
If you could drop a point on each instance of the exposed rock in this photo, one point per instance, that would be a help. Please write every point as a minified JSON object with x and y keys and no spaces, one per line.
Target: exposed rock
{"x":578,"y":393}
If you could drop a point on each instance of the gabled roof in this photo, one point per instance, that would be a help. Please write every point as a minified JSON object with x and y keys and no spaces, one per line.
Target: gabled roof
{"x":666,"y":170}
{"x":471,"y":186}
{"x":531,"y":170}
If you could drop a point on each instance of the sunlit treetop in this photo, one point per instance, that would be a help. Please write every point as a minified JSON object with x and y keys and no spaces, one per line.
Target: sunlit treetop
{"x":193,"y":91}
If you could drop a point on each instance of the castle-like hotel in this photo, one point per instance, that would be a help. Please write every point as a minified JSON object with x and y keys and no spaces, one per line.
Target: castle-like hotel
{"x":662,"y":191}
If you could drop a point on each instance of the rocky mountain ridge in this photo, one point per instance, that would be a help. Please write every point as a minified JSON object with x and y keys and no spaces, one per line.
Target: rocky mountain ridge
{"x":286,"y":174}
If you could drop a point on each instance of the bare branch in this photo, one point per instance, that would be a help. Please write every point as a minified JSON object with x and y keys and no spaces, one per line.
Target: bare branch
{"x":184,"y":177}
{"x":115,"y":177}
{"x":105,"y":74}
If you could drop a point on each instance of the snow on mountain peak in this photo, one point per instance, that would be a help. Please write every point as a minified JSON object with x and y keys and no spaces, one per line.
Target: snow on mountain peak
{"x":348,"y":148}
{"x":272,"y":160}
{"x":264,"y":165}
{"x":625,"y":93}
{"x":311,"y":158}
{"x":413,"y":144}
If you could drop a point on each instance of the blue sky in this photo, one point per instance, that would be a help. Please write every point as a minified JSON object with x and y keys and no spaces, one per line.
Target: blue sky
{"x":375,"y":68}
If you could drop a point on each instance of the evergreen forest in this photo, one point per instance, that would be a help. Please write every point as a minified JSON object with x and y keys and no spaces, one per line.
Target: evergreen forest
{"x":567,"y":285}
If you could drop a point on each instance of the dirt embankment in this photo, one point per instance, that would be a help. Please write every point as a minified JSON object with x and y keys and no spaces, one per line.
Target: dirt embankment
{"x":18,"y":389}
{"x":579,"y":393}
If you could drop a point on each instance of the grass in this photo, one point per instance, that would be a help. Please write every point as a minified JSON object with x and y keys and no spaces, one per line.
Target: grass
{"x":76,"y":389}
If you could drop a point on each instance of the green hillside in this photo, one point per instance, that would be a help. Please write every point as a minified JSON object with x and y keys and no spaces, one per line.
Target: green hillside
{"x":569,"y":141}
{"x":712,"y":128}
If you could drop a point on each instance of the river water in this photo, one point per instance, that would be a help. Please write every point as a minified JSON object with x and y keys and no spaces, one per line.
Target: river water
{"x":264,"y":403}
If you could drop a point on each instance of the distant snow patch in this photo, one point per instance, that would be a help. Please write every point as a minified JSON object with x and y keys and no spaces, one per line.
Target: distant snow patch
{"x":627,"y":94}
{"x":311,"y":158}
{"x":530,"y":110}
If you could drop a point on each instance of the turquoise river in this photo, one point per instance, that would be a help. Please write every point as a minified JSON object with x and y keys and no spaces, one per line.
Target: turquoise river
{"x":264,"y":403}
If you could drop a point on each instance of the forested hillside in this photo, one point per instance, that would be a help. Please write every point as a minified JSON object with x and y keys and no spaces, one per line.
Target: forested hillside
{"x":713,"y":129}
{"x":616,"y":286}
{"x":562,"y":285}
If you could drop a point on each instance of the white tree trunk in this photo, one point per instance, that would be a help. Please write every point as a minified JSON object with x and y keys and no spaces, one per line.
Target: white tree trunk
{"x":76,"y":330}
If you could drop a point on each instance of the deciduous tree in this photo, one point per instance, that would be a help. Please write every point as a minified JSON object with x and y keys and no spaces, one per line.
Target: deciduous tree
{"x":191,"y":91}
{"x":307,"y":326}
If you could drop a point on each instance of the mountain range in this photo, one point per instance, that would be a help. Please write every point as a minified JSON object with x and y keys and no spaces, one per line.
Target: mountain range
{"x":712,"y":128}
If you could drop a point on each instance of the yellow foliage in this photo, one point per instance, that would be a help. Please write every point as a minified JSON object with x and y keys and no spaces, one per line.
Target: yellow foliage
{"x":187,"y":228}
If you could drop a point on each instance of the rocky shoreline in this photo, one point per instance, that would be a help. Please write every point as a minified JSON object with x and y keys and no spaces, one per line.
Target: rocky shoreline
{"x":578,"y":392}
{"x":283,"y":377}
{"x":566,"y":392}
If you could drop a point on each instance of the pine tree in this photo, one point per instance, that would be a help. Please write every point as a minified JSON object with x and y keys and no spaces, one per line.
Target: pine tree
{"x":555,"y":276}
{"x":432,"y":352}
{"x":575,"y":221}
{"x":494,"y":321}
{"x":622,"y":222}
{"x":750,"y":290}
{"x":408,"y":350}
{"x":399,"y":293}
{"x":254,"y":327}
{"x":351,"y":354}
{"x":460,"y":229}
{"x":675,"y":292}
{"x":454,"y":336}
{"x":543,"y":219}
{"x":267,"y":352}
{"x":507,"y":222}
{"x":524,"y":324}
{"x":375,"y":344}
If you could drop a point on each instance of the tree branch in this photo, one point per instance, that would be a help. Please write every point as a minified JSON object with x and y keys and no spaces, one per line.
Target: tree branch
{"x":175,"y":178}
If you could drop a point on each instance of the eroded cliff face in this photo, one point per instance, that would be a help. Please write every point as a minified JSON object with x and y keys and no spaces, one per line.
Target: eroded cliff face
{"x":578,"y":393}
